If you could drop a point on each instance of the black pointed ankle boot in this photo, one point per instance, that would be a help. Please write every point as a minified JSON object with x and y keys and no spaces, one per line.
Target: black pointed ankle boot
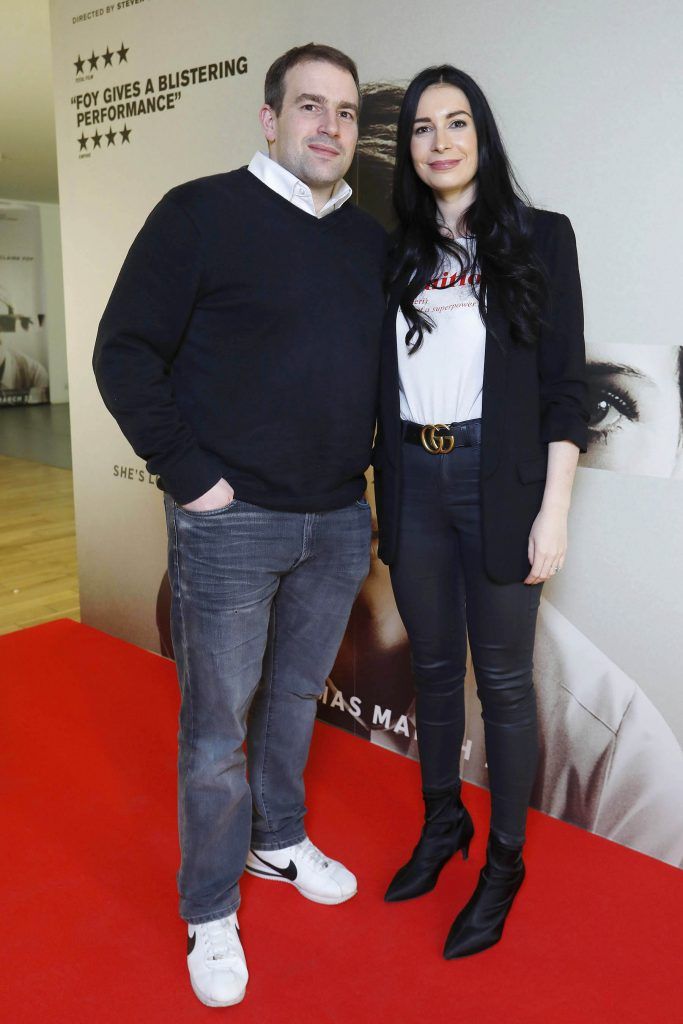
{"x":447,"y":829}
{"x":480,"y":923}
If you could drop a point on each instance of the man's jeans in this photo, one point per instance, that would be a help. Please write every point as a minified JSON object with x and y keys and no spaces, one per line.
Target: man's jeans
{"x":261,"y":600}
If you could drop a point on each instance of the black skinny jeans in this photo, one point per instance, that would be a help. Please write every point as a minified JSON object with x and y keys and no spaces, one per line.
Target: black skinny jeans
{"x":444,"y":595}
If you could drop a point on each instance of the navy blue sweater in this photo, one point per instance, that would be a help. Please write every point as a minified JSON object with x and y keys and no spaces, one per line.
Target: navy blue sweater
{"x":242,"y":341}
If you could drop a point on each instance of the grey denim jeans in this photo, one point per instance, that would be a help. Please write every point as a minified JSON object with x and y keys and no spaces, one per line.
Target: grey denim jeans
{"x":260,"y":603}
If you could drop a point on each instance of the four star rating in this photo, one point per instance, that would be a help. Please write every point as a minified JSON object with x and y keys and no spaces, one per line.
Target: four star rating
{"x":107,"y":59}
{"x":87,"y":144}
{"x":97,"y":138}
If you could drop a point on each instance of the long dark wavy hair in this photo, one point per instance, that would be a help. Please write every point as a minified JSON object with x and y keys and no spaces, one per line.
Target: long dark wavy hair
{"x":497,"y":223}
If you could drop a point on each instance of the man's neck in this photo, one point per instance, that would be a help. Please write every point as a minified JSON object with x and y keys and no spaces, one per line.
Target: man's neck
{"x":321,"y":195}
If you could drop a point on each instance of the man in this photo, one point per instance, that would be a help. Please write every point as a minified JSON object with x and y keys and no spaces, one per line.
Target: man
{"x":239,"y":353}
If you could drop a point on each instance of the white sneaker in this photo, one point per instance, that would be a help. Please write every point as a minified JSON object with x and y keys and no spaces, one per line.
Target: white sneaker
{"x":215,"y":960}
{"x":304,"y":866}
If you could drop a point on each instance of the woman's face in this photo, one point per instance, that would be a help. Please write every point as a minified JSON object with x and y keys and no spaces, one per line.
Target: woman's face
{"x":635,"y":409}
{"x":443,"y":144}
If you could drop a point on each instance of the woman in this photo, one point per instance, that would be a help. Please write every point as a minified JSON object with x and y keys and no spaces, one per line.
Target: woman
{"x":483,"y":415}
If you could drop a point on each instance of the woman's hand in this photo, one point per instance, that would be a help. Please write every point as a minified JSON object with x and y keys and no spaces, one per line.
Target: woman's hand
{"x":547,"y":544}
{"x":548,"y":537}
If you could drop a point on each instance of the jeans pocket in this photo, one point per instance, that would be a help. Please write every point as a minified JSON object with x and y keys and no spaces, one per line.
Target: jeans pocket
{"x":209,"y":513}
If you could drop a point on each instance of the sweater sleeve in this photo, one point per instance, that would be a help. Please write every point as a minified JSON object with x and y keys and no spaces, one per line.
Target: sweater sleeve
{"x":562,"y":358}
{"x":141,"y":330}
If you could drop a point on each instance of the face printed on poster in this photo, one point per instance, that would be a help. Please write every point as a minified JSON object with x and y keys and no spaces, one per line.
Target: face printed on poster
{"x":635,"y":395}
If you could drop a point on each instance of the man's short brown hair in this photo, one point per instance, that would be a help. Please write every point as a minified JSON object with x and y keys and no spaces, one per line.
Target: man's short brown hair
{"x":275,"y":77}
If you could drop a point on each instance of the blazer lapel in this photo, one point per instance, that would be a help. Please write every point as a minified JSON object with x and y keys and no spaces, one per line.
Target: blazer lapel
{"x":498,"y":343}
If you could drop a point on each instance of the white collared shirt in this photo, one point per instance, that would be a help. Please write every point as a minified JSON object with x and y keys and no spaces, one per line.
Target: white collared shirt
{"x":288,"y":186}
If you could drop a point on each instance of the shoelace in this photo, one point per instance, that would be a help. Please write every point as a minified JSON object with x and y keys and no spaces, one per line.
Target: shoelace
{"x":220,"y":939}
{"x":316,"y":856}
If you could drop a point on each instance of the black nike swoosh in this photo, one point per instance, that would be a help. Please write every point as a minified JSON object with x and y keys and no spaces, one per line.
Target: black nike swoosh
{"x":289,"y":872}
{"x":191,"y":939}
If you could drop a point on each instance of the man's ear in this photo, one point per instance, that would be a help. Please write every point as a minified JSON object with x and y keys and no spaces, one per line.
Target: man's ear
{"x":268,"y":119}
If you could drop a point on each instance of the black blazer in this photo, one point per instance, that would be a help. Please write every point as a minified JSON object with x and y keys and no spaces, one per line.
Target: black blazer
{"x":532,"y":395}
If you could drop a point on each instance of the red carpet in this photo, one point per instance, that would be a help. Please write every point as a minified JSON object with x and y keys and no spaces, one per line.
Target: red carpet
{"x":90,"y":852}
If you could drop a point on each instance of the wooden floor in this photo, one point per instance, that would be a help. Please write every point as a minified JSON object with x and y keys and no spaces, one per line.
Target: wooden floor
{"x":38,"y":578}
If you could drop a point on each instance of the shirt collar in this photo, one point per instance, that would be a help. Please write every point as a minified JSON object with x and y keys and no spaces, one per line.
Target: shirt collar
{"x":287,"y":185}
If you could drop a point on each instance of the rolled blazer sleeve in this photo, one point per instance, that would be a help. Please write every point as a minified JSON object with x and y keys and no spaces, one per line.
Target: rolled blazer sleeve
{"x":139,"y":335}
{"x":561,"y":354}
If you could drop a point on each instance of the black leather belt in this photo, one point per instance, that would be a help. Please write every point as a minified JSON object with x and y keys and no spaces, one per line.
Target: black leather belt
{"x":442,"y":438}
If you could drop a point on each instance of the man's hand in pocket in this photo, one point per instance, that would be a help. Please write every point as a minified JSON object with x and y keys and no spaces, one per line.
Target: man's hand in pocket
{"x":218,"y":496}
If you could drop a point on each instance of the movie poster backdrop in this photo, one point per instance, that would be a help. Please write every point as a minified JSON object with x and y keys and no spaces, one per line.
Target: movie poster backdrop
{"x":149,"y":94}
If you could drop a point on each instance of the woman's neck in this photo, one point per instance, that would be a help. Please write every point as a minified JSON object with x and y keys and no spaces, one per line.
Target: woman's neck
{"x":452,"y":207}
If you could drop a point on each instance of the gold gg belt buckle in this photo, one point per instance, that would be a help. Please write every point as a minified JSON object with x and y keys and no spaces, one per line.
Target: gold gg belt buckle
{"x":433,"y":442}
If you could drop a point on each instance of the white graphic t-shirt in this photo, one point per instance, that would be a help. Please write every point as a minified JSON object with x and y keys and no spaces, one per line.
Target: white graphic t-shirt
{"x":442,"y":381}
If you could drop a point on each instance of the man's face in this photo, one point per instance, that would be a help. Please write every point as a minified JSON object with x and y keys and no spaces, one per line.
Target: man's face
{"x":314,"y":136}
